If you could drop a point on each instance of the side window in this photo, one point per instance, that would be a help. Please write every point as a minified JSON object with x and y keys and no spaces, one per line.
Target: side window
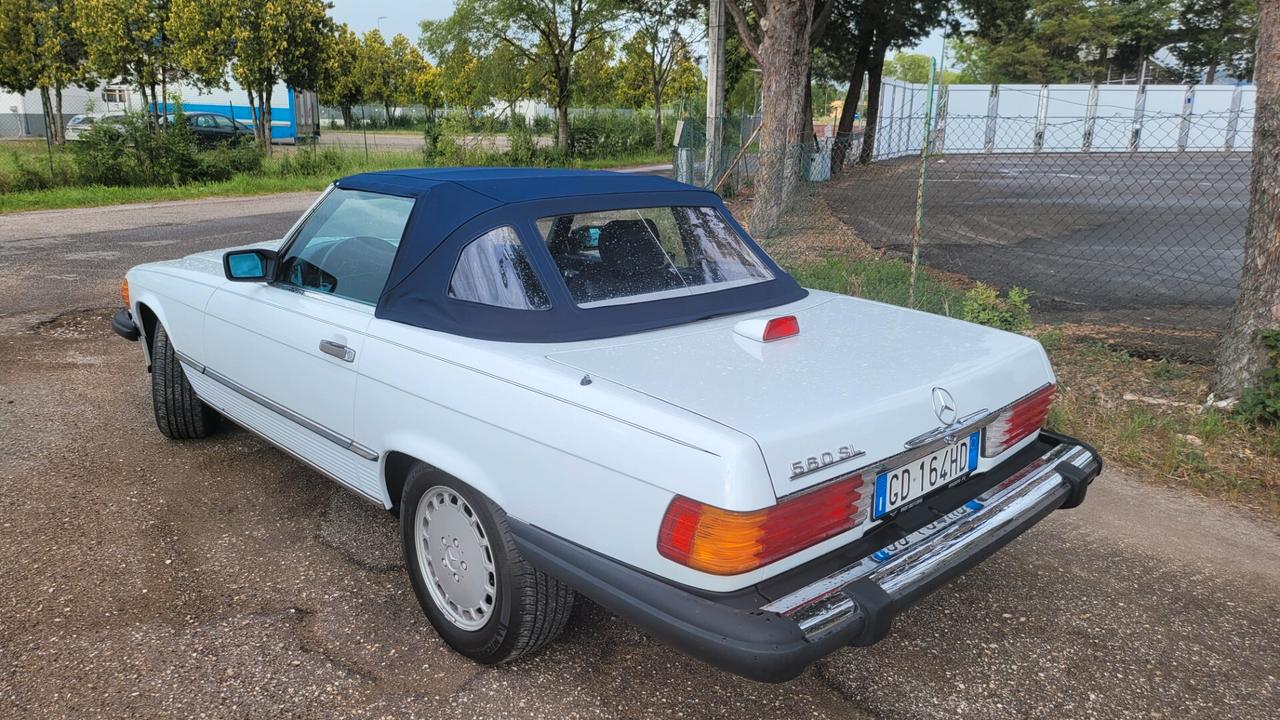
{"x":493,"y":270}
{"x":224,"y":122}
{"x":204,"y":121}
{"x":346,"y":247}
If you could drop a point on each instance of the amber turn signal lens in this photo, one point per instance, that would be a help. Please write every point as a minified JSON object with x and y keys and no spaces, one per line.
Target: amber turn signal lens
{"x":725,"y":542}
{"x":124,"y":292}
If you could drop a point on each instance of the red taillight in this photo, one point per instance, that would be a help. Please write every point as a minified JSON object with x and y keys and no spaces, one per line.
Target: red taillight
{"x":1018,"y":421}
{"x":781,"y":327}
{"x":725,"y":542}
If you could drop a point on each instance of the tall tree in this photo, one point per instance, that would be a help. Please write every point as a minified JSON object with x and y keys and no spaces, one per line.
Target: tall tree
{"x":547,"y":34}
{"x":859,"y":38}
{"x":131,"y":40}
{"x":339,"y":84}
{"x":258,"y":43}
{"x":779,"y":35}
{"x":1216,"y":34}
{"x":656,"y":50}
{"x":1242,"y":357}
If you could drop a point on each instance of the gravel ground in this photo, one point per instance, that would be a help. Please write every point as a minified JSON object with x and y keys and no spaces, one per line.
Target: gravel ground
{"x":219,"y":578}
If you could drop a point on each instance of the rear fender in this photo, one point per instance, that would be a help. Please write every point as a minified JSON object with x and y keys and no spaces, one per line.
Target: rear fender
{"x":442,"y":458}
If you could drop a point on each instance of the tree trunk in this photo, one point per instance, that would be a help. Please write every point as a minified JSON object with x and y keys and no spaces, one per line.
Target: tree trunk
{"x":60,"y":131}
{"x":784,"y":62}
{"x":253,"y":115}
{"x":562,"y":110}
{"x":346,"y":117}
{"x":807,"y":131}
{"x":1242,"y":358}
{"x":265,"y":102}
{"x":844,"y":130}
{"x":657,"y":119}
{"x":875,"y":71}
{"x":46,"y":111}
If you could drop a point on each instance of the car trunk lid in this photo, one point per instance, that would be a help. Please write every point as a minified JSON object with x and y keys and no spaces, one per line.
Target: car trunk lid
{"x":858,"y":379}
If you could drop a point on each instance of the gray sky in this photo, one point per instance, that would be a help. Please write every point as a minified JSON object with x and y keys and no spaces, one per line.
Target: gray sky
{"x":400,"y":17}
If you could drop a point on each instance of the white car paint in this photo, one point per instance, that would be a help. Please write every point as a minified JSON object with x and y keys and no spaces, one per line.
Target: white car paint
{"x":589,"y":440}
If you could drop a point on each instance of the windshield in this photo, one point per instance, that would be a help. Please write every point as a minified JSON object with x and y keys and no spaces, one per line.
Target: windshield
{"x":635,"y":255}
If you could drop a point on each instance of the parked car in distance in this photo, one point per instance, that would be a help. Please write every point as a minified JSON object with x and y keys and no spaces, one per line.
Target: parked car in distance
{"x":570,"y":382}
{"x":213,"y":129}
{"x":80,"y":124}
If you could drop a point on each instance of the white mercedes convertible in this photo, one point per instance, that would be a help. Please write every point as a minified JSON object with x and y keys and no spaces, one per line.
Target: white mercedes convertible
{"x":592,"y":383}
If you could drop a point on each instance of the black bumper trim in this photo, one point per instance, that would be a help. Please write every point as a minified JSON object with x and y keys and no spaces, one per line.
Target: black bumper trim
{"x":751,"y":642}
{"x":124,"y":326}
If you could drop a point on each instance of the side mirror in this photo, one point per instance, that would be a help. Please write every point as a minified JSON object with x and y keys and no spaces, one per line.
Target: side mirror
{"x":250,"y":265}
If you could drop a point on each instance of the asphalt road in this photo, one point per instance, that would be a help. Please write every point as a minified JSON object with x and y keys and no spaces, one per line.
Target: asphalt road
{"x":219,"y":578}
{"x":1140,"y":235}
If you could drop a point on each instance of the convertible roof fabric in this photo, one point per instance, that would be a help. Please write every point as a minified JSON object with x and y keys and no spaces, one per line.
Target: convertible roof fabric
{"x":456,"y":205}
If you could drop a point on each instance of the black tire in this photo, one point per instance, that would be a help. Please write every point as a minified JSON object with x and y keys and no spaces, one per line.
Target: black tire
{"x":531,"y":608}
{"x":179,"y":413}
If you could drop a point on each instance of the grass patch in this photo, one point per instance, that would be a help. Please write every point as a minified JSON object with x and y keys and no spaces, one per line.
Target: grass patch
{"x":1147,"y":415}
{"x":287,"y":170}
{"x":879,"y":278}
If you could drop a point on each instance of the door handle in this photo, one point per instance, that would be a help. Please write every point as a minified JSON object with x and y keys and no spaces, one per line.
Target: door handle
{"x":338,"y":350}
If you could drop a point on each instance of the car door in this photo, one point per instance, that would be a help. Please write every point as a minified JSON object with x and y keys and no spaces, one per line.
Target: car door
{"x":290,"y":349}
{"x":226,"y":128}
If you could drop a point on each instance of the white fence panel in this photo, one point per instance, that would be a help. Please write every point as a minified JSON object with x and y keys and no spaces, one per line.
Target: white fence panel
{"x":1113,"y":118}
{"x":964,"y":127}
{"x":1066,"y":118}
{"x":1021,"y":118}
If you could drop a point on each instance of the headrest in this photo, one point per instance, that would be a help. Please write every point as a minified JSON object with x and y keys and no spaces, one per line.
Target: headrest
{"x":630,"y":247}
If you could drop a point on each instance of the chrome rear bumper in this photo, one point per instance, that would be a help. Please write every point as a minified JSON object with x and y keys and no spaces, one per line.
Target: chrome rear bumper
{"x":917,"y":562}
{"x":771,"y":631}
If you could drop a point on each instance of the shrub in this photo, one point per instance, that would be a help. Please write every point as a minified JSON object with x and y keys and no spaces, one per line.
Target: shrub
{"x":984,"y":305}
{"x":227,"y":161}
{"x":133,"y":152}
{"x":307,"y":163}
{"x":1262,"y":404}
{"x":610,"y":134}
{"x":521,"y":149}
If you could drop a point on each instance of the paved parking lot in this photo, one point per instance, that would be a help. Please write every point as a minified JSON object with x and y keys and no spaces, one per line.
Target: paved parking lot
{"x":1136,"y":236}
{"x":147,"y":578}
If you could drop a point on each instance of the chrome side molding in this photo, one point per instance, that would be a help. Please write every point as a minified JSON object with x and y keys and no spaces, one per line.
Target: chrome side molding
{"x":315,"y":427}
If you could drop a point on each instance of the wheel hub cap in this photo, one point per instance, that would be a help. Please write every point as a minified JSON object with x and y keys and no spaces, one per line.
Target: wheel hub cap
{"x":455,"y":558}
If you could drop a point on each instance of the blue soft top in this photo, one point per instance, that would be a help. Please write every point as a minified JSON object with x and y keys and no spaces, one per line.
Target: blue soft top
{"x":456,"y":205}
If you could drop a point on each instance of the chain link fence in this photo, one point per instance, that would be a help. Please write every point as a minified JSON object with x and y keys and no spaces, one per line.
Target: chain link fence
{"x":1116,"y":207}
{"x":1119,"y":208}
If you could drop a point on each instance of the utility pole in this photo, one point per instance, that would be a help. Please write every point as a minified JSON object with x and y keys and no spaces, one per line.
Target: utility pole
{"x":715,"y":88}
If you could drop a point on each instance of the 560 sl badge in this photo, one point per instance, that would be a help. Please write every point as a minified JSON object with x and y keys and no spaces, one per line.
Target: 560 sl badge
{"x":810,"y":465}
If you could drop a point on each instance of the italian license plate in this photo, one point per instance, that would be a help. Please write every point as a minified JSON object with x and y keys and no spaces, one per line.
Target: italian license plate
{"x":902,"y":485}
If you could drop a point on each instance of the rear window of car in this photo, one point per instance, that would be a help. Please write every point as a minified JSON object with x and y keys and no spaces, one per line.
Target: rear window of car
{"x":636,"y":255}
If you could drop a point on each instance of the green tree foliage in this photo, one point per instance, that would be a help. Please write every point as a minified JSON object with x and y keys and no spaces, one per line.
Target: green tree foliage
{"x":393,"y":72}
{"x":858,"y":39}
{"x":1046,"y":41}
{"x":657,"y":54}
{"x":547,"y":35}
{"x":40,"y":47}
{"x":909,"y":67}
{"x":1217,"y":34}
{"x":259,"y":43}
{"x":340,"y":86}
{"x":128,"y":39}
{"x":597,"y":76}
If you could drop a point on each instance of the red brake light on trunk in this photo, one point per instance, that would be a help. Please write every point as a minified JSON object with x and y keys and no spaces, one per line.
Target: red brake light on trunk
{"x":726,"y":542}
{"x":781,"y":327}
{"x":1018,"y":421}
